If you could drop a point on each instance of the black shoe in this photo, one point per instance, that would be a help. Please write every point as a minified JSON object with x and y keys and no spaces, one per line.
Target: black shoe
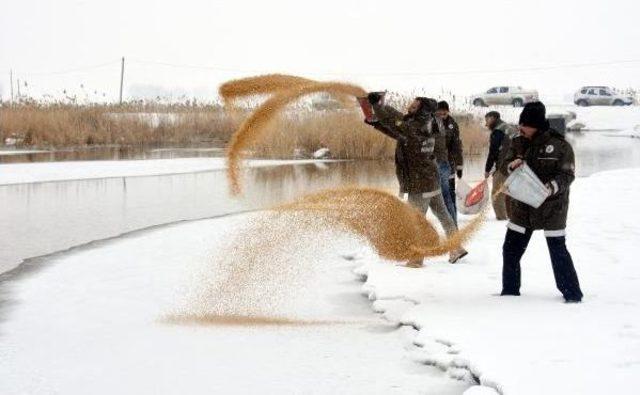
{"x":507,"y":293}
{"x":572,"y":300}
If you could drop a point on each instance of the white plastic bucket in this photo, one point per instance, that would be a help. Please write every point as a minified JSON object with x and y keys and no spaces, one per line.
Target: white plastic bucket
{"x":523,"y":185}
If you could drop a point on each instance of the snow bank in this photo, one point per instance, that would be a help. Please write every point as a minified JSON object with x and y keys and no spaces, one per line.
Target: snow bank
{"x":20,"y":152}
{"x":533,"y":344}
{"x":23,"y":173}
{"x":92,"y":321}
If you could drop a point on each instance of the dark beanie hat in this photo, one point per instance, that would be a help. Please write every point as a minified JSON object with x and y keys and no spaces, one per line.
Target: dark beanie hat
{"x":534,"y":115}
{"x":427,"y":104}
{"x":443,"y":105}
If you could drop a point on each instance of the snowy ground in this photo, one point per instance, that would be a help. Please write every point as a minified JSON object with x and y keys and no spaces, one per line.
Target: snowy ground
{"x":91,"y":321}
{"x":47,"y":171}
{"x":534,"y":344}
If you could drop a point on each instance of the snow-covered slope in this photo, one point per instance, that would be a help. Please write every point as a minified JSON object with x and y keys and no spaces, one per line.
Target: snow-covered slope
{"x":534,"y":344}
{"x":91,"y":321}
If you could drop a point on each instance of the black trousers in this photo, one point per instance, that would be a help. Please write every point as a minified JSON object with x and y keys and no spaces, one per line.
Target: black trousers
{"x":515,"y":244}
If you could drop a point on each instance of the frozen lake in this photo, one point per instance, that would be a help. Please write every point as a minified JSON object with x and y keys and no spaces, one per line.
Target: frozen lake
{"x":44,"y":217}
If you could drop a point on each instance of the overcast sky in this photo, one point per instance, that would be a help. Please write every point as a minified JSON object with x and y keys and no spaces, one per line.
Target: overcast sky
{"x":396,"y":45}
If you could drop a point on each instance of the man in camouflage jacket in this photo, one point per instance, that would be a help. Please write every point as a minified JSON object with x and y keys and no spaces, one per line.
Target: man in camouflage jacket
{"x":416,"y":167}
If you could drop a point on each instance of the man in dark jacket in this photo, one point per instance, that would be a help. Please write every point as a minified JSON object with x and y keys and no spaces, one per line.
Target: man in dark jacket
{"x":500,"y":141}
{"x":551,"y":158}
{"x":452,"y":165}
{"x":415,"y":160}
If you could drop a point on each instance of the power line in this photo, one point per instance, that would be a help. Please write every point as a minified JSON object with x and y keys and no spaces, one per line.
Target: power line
{"x":69,"y":71}
{"x":189,"y":66}
{"x":372,"y":74}
{"x":417,"y":74}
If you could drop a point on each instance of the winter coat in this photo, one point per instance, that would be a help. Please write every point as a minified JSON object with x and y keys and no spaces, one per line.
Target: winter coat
{"x":440,"y":150}
{"x":551,"y":158}
{"x":454,"y":144}
{"x":416,"y":168}
{"x":500,"y":142}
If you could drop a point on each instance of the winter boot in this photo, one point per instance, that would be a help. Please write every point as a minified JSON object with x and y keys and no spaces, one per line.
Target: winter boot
{"x":455,"y":256}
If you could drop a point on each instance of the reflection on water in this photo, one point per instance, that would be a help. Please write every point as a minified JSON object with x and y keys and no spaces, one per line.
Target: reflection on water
{"x":41,"y":218}
{"x":599,"y":152}
{"x":112,"y":153}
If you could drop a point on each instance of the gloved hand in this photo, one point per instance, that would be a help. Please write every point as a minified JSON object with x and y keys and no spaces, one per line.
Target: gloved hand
{"x":459,"y":173}
{"x":549,"y":188}
{"x":515,"y":164}
{"x":374,"y":98}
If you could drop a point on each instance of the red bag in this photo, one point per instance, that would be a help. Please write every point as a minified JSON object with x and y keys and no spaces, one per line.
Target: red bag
{"x":476,"y":195}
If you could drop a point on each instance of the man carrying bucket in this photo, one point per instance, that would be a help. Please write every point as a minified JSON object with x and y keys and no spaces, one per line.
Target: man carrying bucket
{"x":551,"y":159}
{"x":416,"y":168}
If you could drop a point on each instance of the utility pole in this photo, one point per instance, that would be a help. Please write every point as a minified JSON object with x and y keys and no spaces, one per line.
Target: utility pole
{"x":11,"y":79}
{"x":19,"y":89}
{"x":121,"y":79}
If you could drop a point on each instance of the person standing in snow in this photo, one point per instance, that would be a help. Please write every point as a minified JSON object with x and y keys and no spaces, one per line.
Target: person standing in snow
{"x":500,"y":141}
{"x":551,"y":158}
{"x":454,"y":162}
{"x":416,"y":167}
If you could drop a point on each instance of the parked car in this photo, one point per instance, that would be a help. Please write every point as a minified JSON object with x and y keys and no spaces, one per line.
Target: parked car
{"x":505,"y":95}
{"x":600,"y":96}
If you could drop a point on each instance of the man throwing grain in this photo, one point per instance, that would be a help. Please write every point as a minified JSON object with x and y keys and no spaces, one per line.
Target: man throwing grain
{"x":416,"y":168}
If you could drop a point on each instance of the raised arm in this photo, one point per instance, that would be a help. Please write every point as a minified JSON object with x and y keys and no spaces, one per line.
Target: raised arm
{"x":388,"y":132}
{"x":391,"y":120}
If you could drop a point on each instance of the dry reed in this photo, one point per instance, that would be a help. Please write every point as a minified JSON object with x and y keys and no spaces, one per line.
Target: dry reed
{"x":70,"y":126}
{"x":303,"y":132}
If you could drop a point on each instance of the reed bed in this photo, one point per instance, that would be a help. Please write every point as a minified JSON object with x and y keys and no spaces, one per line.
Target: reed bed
{"x":346,"y":136}
{"x":70,"y":126}
{"x":296,"y":131}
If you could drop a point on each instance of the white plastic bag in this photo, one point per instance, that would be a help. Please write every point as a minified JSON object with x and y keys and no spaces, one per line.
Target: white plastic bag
{"x":462,"y":191}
